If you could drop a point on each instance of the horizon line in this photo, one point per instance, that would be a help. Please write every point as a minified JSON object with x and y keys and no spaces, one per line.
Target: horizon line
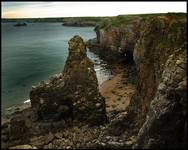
{"x":92,"y":16}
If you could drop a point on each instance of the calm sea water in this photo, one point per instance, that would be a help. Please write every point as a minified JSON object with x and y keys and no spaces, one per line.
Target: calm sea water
{"x":35,"y":52}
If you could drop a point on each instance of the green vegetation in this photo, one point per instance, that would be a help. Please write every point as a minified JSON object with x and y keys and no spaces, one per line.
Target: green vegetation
{"x":102,"y":22}
{"x":125,"y":19}
{"x":96,"y":19}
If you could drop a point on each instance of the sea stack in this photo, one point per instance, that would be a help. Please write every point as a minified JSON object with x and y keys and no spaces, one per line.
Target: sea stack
{"x":72,"y":94}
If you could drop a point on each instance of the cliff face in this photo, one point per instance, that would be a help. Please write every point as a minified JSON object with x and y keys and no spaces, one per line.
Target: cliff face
{"x":72,"y":94}
{"x":157,"y":45}
{"x":160,"y":37}
{"x":160,"y":56}
{"x":118,"y":42}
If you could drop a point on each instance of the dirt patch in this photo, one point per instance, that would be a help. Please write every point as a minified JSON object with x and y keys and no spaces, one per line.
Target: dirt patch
{"x":117,"y":91}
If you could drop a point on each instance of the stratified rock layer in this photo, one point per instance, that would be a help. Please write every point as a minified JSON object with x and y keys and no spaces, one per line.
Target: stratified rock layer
{"x":160,"y":56}
{"x":74,"y":93}
{"x":117,"y":43}
{"x":157,"y":45}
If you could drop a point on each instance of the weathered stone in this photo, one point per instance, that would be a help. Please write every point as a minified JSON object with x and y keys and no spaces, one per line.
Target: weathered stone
{"x":18,"y":129}
{"x":56,"y":102}
{"x":23,"y":147}
{"x":157,"y":95}
{"x":116,"y":44}
{"x":98,"y":105}
{"x":58,"y":135}
{"x":49,"y":138}
{"x":49,"y":146}
{"x":38,"y":142}
{"x":59,"y":124}
{"x":68,"y":147}
{"x":178,"y":62}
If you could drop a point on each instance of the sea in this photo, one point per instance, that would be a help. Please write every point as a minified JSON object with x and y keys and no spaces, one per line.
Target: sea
{"x":35,"y":52}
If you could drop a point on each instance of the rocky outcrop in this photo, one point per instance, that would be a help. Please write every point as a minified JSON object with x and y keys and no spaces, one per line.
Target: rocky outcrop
{"x":160,"y":56}
{"x":116,"y":43}
{"x":74,"y":93}
{"x":157,"y":45}
{"x":66,"y":100}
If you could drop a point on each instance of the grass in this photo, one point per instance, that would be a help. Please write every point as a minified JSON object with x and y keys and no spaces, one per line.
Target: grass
{"x":117,"y":21}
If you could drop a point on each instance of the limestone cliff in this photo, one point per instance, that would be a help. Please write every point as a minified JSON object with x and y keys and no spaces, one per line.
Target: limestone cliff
{"x":157,"y":45}
{"x":115,"y":42}
{"x":161,"y":58}
{"x":74,"y":93}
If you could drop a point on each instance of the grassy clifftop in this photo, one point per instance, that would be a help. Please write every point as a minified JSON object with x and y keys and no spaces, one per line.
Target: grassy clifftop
{"x":101,"y":22}
{"x":117,"y":21}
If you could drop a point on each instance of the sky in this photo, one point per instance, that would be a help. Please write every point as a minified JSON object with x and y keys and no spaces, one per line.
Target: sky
{"x":73,"y":9}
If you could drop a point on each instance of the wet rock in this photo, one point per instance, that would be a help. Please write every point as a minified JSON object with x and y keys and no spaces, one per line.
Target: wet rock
{"x":93,"y":45}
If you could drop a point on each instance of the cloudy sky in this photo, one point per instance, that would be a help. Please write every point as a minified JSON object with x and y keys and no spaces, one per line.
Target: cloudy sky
{"x":70,"y":9}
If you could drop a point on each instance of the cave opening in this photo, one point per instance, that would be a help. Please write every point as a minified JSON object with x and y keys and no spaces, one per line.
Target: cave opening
{"x":127,"y":57}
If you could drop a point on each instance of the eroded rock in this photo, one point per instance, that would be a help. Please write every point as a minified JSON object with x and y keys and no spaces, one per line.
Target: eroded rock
{"x":72,"y":94}
{"x":159,"y":104}
{"x":23,"y":147}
